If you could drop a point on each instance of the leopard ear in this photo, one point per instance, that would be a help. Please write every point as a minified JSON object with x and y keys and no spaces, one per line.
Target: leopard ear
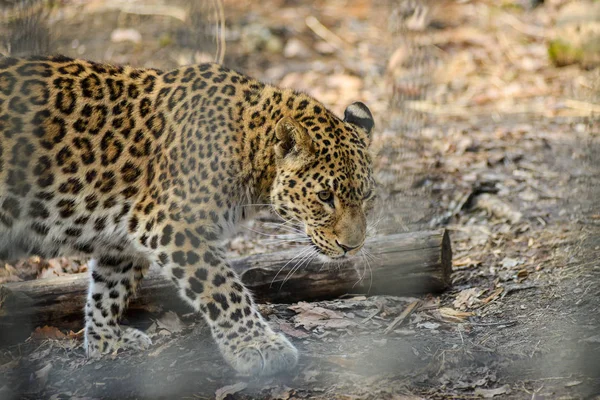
{"x":359,"y":114}
{"x":293,"y":138}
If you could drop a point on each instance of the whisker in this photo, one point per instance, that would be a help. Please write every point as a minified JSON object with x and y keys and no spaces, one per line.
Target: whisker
{"x":286,"y":264}
{"x":291,"y":237}
{"x":293,"y":225}
{"x":364,"y":265}
{"x":306,"y":259}
{"x":276,"y":213}
{"x":292,"y":270}
{"x":293,"y":220}
{"x":371,"y":274}
{"x":282,"y":218}
{"x":370,"y":255}
{"x":286,"y":235}
{"x":272,"y":242}
{"x":374,"y":222}
{"x":255,"y":205}
{"x":289,"y":225}
{"x":325,"y":264}
{"x":285,"y":228}
{"x":372,"y":226}
{"x":276,"y":235}
{"x":302,"y":263}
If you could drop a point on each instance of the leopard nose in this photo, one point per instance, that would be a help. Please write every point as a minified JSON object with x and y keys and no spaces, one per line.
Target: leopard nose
{"x":345,"y":248}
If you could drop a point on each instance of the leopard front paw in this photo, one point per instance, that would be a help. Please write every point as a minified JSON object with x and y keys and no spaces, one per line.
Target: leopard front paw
{"x":99,"y":342}
{"x":263,"y":355}
{"x":134,"y":339}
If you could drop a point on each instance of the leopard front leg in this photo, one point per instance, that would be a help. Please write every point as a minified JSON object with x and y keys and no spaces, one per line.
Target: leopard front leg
{"x":244,"y":338}
{"x":113,"y":281}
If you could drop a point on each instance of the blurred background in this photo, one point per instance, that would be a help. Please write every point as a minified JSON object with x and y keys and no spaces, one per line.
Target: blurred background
{"x":487,"y":123}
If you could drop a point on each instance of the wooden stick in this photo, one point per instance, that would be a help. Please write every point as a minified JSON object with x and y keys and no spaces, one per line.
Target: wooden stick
{"x":401,"y":264}
{"x":407,"y":311}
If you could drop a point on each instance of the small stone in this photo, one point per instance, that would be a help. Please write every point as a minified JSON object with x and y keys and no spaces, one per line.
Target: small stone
{"x":126,"y":35}
{"x":294,"y":48}
{"x":580,"y":128}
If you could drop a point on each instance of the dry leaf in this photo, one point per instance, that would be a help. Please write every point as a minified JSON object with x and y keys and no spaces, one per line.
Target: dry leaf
{"x":225,"y":391}
{"x":290,"y":331}
{"x":9,"y":274}
{"x":51,"y":269}
{"x":508,"y":262}
{"x":310,"y":316}
{"x":29,"y":268}
{"x":170,"y":322}
{"x":498,"y":208}
{"x":428,"y":325}
{"x":492,"y":296}
{"x":522,"y":274}
{"x":467,"y":298}
{"x":452,"y":315}
{"x":48,"y":332}
{"x":489,"y":393}
{"x":466,"y":262}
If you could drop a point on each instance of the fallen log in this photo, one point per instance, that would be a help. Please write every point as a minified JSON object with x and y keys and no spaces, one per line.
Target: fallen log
{"x":401,"y":264}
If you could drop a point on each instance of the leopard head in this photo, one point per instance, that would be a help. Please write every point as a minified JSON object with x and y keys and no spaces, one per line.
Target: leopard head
{"x":324,"y":177}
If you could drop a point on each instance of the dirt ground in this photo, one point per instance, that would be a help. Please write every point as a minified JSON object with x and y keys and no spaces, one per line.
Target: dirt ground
{"x":477,"y":131}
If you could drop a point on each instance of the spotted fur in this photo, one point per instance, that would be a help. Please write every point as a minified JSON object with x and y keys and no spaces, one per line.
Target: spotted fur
{"x":138,"y":167}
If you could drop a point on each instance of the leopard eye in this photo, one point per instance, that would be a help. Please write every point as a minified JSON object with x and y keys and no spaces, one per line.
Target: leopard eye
{"x":367,"y":194}
{"x":325,"y":196}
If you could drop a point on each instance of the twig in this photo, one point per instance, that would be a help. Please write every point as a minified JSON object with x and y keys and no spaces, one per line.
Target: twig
{"x":379,"y":308}
{"x":324,"y":33}
{"x":535,"y":348}
{"x":507,"y":323}
{"x":518,"y":25}
{"x":582,"y":105}
{"x":407,"y":311}
{"x":510,"y":288}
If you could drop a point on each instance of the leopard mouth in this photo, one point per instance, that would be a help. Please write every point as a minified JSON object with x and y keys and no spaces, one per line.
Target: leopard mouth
{"x":325,"y":253}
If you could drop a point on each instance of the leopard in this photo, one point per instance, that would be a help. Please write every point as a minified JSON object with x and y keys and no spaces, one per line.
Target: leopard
{"x":132,"y":168}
